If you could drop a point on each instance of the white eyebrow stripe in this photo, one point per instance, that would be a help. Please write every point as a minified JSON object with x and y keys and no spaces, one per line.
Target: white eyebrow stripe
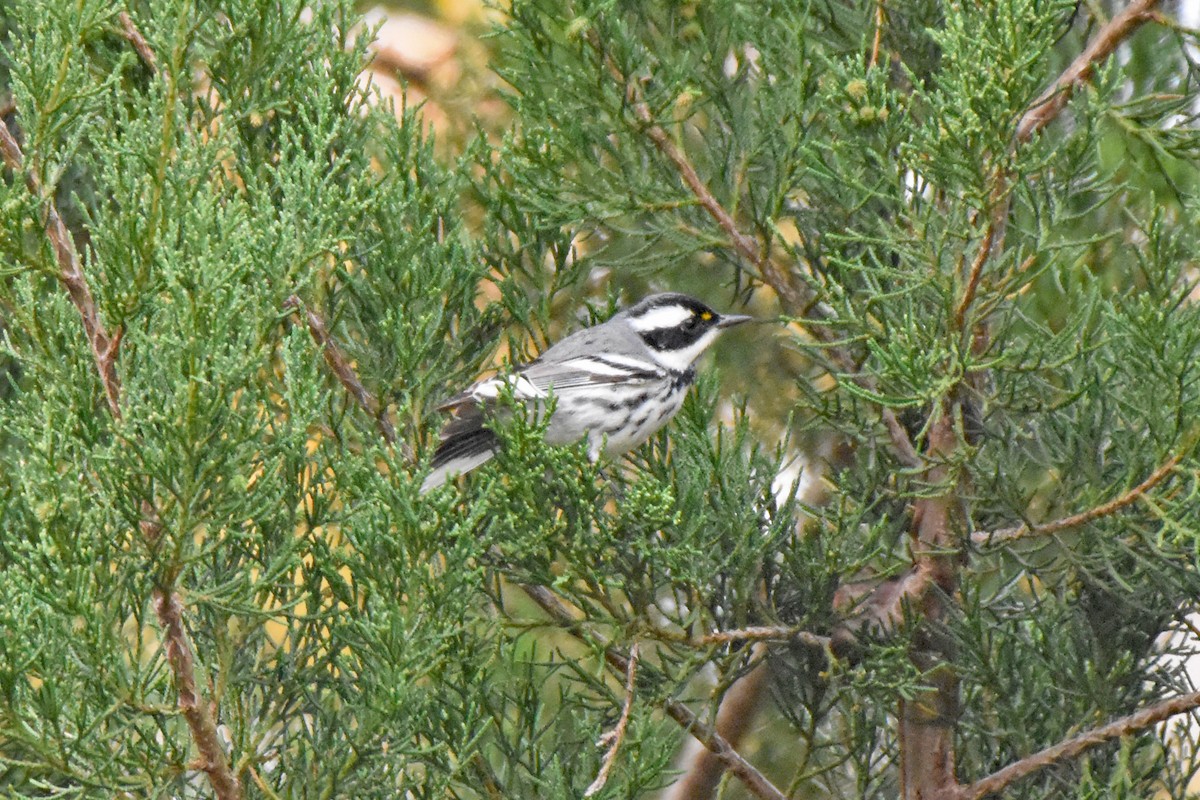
{"x":660,"y":318}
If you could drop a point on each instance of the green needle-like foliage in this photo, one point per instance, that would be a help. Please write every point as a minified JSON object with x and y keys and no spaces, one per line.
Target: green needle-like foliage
{"x":947,"y":492}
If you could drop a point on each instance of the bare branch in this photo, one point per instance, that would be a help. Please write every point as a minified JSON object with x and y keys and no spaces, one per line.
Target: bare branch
{"x":131,"y":32}
{"x":880,"y":19}
{"x":926,"y":725}
{"x":706,"y":734}
{"x":70,"y":274}
{"x":617,"y":734}
{"x":195,"y":709}
{"x":1077,"y":745}
{"x":1083,"y":517}
{"x":340,"y":365}
{"x":972,"y":285}
{"x":701,"y":768}
{"x":1051,"y":102}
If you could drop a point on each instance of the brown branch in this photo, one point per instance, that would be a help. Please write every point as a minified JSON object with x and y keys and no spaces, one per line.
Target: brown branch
{"x":880,"y":18}
{"x":706,"y":734}
{"x":701,"y":768}
{"x":195,"y":709}
{"x":130,"y":32}
{"x":340,"y":365}
{"x":1076,"y":746}
{"x":1083,"y":517}
{"x":105,"y":348}
{"x":617,"y":735}
{"x":70,"y":274}
{"x":1051,"y":102}
{"x":972,"y":285}
{"x":926,"y":724}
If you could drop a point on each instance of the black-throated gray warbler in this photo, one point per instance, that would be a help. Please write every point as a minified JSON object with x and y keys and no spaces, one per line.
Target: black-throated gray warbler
{"x":616,"y":383}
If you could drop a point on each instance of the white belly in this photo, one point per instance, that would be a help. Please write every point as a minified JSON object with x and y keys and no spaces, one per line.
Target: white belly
{"x":614,"y":421}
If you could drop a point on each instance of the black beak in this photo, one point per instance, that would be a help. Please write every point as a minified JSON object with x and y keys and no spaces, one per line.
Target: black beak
{"x":729,"y":320}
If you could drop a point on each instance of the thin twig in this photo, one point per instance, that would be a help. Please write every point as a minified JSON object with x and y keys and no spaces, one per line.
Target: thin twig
{"x":1077,"y":745}
{"x":706,"y":734}
{"x":757,"y":633}
{"x":799,"y":299}
{"x":972,"y":285}
{"x":130,"y":32}
{"x":340,"y":365}
{"x":1047,"y":106}
{"x":766,"y":633}
{"x":617,"y":734}
{"x":1005,"y":535}
{"x":194,"y":707}
{"x":880,"y":17}
{"x":105,"y":349}
{"x":736,"y":715}
{"x":70,"y":274}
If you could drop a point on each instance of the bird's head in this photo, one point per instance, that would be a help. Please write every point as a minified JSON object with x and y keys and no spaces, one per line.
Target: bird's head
{"x":677,"y":328}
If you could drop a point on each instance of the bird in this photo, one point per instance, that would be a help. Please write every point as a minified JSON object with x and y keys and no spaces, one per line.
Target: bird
{"x":616,"y":383}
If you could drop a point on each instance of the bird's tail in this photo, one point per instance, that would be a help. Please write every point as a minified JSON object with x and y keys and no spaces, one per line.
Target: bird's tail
{"x":460,"y":453}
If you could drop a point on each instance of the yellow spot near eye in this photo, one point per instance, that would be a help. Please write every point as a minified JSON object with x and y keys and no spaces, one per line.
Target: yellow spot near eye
{"x":706,"y":316}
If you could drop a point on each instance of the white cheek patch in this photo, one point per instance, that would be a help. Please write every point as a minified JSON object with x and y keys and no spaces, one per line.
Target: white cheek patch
{"x":660,"y":318}
{"x":680,"y":360}
{"x":522,"y":388}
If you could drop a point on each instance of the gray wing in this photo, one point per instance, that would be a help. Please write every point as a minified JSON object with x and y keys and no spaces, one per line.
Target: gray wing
{"x":584,"y":359}
{"x":602,"y":354}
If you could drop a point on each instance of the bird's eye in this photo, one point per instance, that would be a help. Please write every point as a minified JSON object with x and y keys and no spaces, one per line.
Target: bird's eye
{"x":689,"y":324}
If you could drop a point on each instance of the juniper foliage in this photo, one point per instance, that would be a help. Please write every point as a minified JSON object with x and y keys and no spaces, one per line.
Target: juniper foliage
{"x":217,"y":574}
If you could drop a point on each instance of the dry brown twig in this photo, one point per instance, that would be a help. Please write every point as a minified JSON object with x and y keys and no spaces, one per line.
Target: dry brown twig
{"x":105,"y":347}
{"x":1077,"y":745}
{"x":877,"y":40}
{"x":135,"y":38}
{"x":339,"y":364}
{"x":756,"y":633}
{"x":974,"y":276}
{"x":754,"y":781}
{"x":617,"y":735}
{"x":1005,"y":535}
